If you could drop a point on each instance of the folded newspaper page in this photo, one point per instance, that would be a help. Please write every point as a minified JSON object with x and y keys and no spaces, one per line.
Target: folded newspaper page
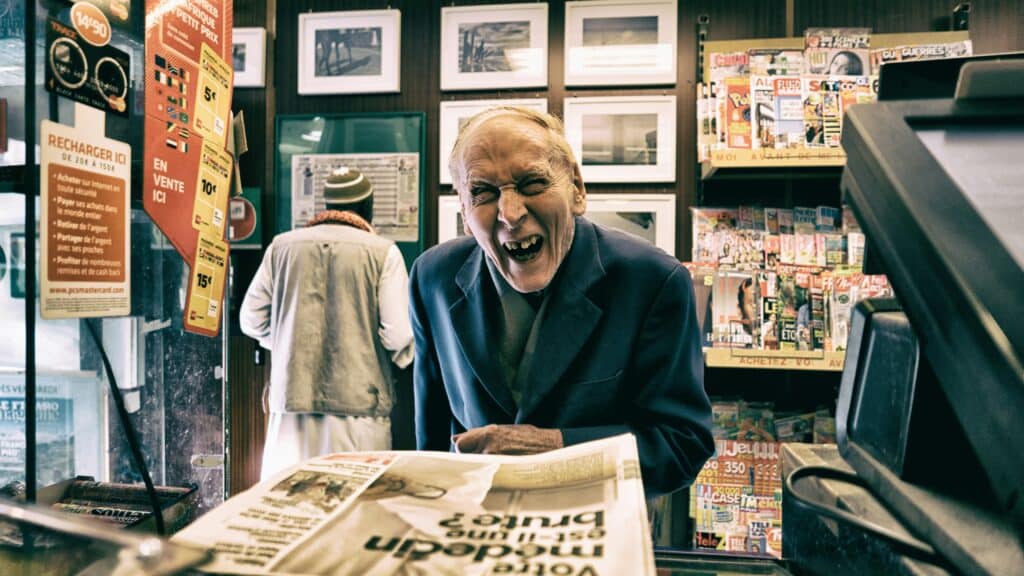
{"x":575,"y":511}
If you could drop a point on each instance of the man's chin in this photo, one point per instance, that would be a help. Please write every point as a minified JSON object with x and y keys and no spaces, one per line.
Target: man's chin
{"x":527,"y":281}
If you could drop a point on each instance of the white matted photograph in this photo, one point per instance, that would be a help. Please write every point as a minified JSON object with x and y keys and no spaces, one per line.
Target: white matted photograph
{"x":353,"y":52}
{"x":455,"y":114}
{"x":620,"y":42}
{"x":649,"y":216}
{"x":248,"y":57}
{"x":623,"y":138}
{"x":492,"y":47}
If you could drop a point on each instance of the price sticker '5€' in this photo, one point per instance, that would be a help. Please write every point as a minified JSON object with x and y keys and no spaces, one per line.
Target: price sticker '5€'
{"x":213,"y":97}
{"x":206,"y":291}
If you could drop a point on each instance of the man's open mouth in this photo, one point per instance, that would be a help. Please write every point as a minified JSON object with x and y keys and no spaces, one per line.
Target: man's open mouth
{"x":526,"y":249}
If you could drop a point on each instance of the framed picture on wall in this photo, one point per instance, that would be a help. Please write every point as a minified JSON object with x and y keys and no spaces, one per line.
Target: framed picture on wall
{"x":492,"y":47}
{"x":649,"y":216}
{"x":620,"y":42}
{"x":248,"y":57}
{"x":623,"y":138}
{"x":353,"y":52}
{"x":455,"y":114}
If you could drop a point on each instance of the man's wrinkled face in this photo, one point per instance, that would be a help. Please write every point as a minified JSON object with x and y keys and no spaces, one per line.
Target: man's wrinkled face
{"x":518,"y":204}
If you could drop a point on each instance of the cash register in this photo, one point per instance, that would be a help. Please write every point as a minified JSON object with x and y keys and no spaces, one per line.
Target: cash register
{"x":930,"y":416}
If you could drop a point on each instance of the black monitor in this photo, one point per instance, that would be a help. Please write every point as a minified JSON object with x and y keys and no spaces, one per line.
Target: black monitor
{"x":933,"y":389}
{"x":927,"y":79}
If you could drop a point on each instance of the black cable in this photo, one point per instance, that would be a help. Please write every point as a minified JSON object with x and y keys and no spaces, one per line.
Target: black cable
{"x":129,"y":432}
{"x":910,"y":546}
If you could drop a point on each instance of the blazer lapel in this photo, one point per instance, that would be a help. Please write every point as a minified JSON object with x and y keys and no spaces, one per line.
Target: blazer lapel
{"x":569,"y":320}
{"x":472,"y":317}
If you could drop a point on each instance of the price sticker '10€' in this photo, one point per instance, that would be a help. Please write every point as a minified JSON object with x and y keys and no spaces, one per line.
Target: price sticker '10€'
{"x":210,"y":207}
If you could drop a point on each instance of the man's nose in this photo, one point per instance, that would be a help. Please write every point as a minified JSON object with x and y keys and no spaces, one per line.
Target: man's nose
{"x":511,"y":209}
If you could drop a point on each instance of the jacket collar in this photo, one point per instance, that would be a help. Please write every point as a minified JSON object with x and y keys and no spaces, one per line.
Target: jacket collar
{"x":570,"y":319}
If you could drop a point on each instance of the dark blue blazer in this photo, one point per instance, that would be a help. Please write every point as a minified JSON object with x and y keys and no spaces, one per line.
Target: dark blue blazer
{"x":619,"y":351}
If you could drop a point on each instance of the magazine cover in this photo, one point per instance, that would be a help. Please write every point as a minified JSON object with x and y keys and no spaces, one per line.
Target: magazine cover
{"x":703,"y":275}
{"x":827,"y":219}
{"x":737,"y":109}
{"x":817,"y":291}
{"x":831,"y":111}
{"x":776,"y":62}
{"x":771,"y":220}
{"x":762,"y":94}
{"x":785,"y":221}
{"x":837,"y":51}
{"x":736,"y":500}
{"x":813,"y":111}
{"x":918,"y":52}
{"x":728,"y":65}
{"x":789,"y":115}
{"x":734,"y":306}
{"x":725,"y":415}
{"x":706,"y":222}
{"x":707,"y":122}
{"x":769,"y":284}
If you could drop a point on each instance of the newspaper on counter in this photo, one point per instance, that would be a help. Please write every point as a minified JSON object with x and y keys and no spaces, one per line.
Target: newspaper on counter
{"x":579,"y":510}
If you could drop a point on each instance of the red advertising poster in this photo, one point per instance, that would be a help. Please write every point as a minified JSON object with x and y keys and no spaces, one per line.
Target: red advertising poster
{"x":188,"y":113}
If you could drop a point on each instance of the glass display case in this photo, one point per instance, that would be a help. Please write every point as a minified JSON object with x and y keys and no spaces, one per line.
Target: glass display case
{"x":58,"y":415}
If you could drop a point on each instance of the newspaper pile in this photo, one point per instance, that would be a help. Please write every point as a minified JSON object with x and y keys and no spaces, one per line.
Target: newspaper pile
{"x":575,"y":511}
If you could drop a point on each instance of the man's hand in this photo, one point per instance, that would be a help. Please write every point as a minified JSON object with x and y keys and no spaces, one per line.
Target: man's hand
{"x":508,"y":439}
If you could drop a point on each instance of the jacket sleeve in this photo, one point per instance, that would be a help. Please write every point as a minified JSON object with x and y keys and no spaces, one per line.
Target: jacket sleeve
{"x":254,"y":316}
{"x":432,"y":410}
{"x":393,"y":300}
{"x":671,"y":415}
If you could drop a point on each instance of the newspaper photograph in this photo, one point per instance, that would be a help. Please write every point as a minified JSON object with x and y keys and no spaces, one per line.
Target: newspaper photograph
{"x":579,"y":510}
{"x":396,"y":189}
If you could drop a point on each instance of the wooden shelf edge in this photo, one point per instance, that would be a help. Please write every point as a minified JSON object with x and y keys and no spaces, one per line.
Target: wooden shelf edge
{"x":773,"y":359}
{"x":771,"y":158}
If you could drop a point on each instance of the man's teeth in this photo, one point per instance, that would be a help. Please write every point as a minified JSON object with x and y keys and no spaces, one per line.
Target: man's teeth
{"x":524,"y":244}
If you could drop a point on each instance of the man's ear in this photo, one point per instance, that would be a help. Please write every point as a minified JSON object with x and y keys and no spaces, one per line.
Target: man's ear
{"x":579,"y":192}
{"x":465,"y":222}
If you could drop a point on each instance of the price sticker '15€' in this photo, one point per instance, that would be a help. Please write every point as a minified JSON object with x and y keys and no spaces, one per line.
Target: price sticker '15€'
{"x":206,"y":291}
